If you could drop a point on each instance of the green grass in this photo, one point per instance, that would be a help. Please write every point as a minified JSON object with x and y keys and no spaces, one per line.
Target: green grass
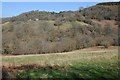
{"x":65,"y":26}
{"x":82,"y":23}
{"x":94,"y":65}
{"x":68,"y":25}
{"x":81,"y":71}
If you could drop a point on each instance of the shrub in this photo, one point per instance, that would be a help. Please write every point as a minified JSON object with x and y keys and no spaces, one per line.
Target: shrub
{"x":83,"y":41}
{"x":58,"y":22}
{"x":103,"y":41}
{"x":105,"y":44}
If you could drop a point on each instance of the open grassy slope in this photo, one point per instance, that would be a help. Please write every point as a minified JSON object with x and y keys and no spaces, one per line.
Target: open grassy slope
{"x":78,"y":56}
{"x":92,"y":63}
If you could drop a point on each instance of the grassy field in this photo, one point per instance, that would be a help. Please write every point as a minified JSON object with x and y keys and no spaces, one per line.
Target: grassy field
{"x":92,"y":63}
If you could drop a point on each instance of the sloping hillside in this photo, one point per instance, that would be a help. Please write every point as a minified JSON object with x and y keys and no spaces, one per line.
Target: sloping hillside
{"x":38,"y":32}
{"x":102,"y":11}
{"x":43,"y":15}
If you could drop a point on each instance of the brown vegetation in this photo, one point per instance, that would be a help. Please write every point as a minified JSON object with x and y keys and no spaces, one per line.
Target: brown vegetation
{"x":38,"y":32}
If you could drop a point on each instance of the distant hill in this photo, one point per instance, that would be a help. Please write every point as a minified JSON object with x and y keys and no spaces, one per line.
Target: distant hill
{"x":40,"y":32}
{"x":109,"y":3}
{"x":43,"y":15}
{"x":102,"y":11}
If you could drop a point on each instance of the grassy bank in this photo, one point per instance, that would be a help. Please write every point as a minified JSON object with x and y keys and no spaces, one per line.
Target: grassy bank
{"x":82,"y":64}
{"x":82,"y":71}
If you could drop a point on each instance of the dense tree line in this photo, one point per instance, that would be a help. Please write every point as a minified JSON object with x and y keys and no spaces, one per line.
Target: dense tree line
{"x":38,"y":37}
